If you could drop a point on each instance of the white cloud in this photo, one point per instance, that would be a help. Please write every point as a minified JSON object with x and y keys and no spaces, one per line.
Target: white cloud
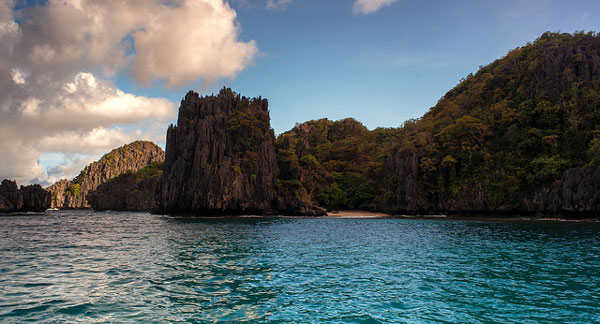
{"x":87,"y":117}
{"x":56,"y":64}
{"x":277,"y":5}
{"x":18,"y":77}
{"x":198,"y":39}
{"x":178,"y":41}
{"x":370,"y":6}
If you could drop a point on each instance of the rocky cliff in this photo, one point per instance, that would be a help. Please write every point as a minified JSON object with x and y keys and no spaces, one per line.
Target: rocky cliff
{"x":220,"y":157}
{"x":132,"y":191}
{"x":130,"y":157}
{"x":578,"y":191}
{"x":32,"y":198}
{"x":520,"y":135}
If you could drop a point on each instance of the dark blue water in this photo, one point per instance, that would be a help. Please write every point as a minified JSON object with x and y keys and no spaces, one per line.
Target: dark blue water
{"x":87,"y":267}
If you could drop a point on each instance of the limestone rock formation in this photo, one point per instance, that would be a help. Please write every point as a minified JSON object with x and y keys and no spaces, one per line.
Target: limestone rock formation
{"x":577,"y":192}
{"x":131,"y":191}
{"x":220,"y":158}
{"x":32,"y":198}
{"x":401,"y":170}
{"x":130,"y":157}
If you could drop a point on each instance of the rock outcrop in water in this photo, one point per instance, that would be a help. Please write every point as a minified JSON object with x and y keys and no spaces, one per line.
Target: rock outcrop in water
{"x":130,"y":191}
{"x":130,"y":157}
{"x":220,"y":157}
{"x":32,"y":198}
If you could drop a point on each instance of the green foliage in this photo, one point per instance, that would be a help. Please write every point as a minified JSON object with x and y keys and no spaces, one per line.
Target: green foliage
{"x":593,"y":152}
{"x":291,"y":190}
{"x":153,"y":170}
{"x":109,"y":158}
{"x":74,"y":189}
{"x":332,"y":197}
{"x":336,"y":163}
{"x":288,"y":164}
{"x":362,"y":197}
{"x":248,"y":126}
{"x":309,"y":161}
{"x":547,"y":169}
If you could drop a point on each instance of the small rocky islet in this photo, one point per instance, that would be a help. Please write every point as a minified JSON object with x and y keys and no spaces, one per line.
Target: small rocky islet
{"x":32,"y":198}
{"x":127,"y":158}
{"x":522,"y":135}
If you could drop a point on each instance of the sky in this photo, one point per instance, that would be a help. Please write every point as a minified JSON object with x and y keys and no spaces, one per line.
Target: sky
{"x":81,"y":77}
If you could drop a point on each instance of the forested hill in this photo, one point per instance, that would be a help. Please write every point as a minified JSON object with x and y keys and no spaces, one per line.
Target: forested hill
{"x":501,"y":140}
{"x":516,"y":125}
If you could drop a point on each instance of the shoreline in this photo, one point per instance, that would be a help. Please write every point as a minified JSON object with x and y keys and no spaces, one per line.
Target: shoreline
{"x":583,"y":218}
{"x":442,"y":216}
{"x":355,"y":213}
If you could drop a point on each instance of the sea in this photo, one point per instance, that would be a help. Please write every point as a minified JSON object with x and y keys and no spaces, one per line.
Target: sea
{"x":121,"y":267}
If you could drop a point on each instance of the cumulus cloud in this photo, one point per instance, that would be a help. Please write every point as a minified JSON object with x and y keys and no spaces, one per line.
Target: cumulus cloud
{"x":83,"y":117}
{"x":198,"y":39}
{"x":178,"y":41}
{"x":57,"y":61}
{"x":370,"y":6}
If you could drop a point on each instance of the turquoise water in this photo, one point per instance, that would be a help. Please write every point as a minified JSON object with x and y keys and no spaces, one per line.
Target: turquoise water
{"x":91,"y":267}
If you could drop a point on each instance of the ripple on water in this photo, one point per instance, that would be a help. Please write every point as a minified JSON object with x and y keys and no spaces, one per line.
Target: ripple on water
{"x":83,"y":266}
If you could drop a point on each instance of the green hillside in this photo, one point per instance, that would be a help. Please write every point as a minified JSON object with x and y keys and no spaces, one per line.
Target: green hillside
{"x":509,"y":130}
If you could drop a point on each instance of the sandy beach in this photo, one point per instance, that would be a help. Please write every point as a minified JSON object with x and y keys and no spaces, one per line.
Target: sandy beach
{"x":356,"y":214}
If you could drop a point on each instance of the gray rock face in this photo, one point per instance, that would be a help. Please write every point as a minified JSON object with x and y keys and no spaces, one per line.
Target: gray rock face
{"x":28,"y":198}
{"x":130,"y":157}
{"x":402,"y":170}
{"x":578,"y":191}
{"x":131,"y":191}
{"x":220,"y":158}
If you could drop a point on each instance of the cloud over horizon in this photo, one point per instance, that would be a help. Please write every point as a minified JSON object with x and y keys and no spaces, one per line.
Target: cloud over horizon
{"x":57,"y":62}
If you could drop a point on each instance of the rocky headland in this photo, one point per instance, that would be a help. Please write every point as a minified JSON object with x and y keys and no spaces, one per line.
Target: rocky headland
{"x":220,"y":159}
{"x":131,"y":157}
{"x":32,"y":198}
{"x":130,"y":191}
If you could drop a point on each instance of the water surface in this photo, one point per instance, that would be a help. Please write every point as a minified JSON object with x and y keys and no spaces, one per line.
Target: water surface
{"x":109,"y":267}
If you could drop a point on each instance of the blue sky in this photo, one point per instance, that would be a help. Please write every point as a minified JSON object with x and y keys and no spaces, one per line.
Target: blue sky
{"x":81,"y":77}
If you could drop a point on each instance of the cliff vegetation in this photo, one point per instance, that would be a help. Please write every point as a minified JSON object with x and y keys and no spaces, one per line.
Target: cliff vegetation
{"x":131,"y":190}
{"x":130,"y":157}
